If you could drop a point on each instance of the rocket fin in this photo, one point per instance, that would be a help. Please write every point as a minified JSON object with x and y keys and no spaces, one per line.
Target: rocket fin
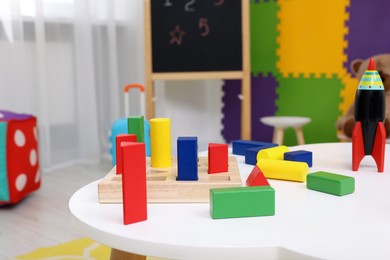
{"x":357,"y":146}
{"x":378,"y":150}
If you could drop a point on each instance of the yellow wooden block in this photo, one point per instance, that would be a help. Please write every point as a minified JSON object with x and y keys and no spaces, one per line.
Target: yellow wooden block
{"x":312,"y":37}
{"x":160,"y":142}
{"x":283,"y":170}
{"x":276,"y":153}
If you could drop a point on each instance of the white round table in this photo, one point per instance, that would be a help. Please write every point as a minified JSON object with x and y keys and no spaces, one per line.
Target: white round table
{"x":307,"y":224}
{"x":282,"y":122}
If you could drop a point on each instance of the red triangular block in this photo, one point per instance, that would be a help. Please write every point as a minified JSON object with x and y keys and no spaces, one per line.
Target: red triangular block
{"x":256,"y":178}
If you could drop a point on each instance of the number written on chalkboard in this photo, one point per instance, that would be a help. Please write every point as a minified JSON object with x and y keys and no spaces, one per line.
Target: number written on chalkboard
{"x":195,"y":35}
{"x":204,"y":26}
{"x":188,"y":7}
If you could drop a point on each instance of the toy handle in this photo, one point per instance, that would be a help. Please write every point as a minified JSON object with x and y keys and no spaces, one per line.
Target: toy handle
{"x":142,"y":98}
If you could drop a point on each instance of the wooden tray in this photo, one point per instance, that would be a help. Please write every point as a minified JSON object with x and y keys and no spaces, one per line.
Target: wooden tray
{"x":163,"y":187}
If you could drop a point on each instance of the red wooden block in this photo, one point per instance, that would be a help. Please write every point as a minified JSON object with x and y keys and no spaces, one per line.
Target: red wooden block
{"x":134,"y":182}
{"x":118,"y":140}
{"x":218,"y":158}
{"x":256,"y":178}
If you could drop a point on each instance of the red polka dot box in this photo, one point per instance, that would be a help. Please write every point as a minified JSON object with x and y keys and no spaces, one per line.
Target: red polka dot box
{"x":19,"y":165}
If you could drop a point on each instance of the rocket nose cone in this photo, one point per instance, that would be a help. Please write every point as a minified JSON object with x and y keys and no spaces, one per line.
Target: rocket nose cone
{"x":371,"y":65}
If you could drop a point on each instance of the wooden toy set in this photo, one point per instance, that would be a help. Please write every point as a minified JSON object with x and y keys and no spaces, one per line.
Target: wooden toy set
{"x":19,"y":164}
{"x":137,"y":180}
{"x":188,"y":178}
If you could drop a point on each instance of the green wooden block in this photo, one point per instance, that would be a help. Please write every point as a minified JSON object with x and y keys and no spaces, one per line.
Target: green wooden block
{"x":239,"y":202}
{"x":331,"y":183}
{"x":135,"y":126}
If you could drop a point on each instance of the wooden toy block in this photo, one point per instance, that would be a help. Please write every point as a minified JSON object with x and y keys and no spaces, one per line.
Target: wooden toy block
{"x":135,"y":125}
{"x":134,"y":183}
{"x":19,"y":156}
{"x":331,"y":183}
{"x":283,"y":170}
{"x":276,"y":153}
{"x":218,"y":158}
{"x":242,"y":202}
{"x":160,"y":139}
{"x":164,"y":188}
{"x":251,"y":153}
{"x":239,"y":146}
{"x":118,"y":140}
{"x":256,"y":178}
{"x":300,"y":156}
{"x":187,"y":159}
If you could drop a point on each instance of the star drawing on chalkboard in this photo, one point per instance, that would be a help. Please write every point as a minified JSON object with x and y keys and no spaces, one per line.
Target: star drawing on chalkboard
{"x":176,"y":35}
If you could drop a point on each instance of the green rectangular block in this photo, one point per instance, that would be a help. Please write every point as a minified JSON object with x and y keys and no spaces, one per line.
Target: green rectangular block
{"x":331,"y":183}
{"x":240,"y":202}
{"x":135,"y":125}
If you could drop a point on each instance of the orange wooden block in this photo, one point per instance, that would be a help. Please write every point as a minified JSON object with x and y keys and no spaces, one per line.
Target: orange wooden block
{"x":218,"y":158}
{"x":256,"y":178}
{"x":118,"y":140}
{"x":134,"y":182}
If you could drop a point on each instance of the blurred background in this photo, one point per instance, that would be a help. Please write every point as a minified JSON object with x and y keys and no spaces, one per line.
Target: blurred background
{"x":67,"y":62}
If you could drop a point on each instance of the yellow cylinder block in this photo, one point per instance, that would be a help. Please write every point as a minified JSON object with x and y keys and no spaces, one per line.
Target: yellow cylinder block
{"x":160,"y":143}
{"x":276,"y":153}
{"x":283,"y":170}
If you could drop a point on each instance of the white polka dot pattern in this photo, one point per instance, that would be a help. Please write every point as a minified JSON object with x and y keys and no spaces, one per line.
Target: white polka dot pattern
{"x":21,"y":182}
{"x":1,"y":115}
{"x":19,"y":138}
{"x":33,"y":157}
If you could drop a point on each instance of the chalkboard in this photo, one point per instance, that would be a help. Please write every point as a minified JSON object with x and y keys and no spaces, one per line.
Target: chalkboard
{"x":196,"y":35}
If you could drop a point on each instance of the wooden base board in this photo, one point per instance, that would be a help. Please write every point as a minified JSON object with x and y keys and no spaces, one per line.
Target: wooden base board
{"x":163,"y":187}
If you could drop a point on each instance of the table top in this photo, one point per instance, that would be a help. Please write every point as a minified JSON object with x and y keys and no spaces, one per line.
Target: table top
{"x":307,"y":224}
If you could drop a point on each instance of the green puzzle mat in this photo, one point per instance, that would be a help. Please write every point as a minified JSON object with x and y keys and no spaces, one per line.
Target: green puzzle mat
{"x":317,"y":98}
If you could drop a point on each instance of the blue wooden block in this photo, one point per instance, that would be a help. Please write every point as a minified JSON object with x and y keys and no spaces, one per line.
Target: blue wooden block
{"x":239,"y":146}
{"x":300,"y":156}
{"x":251,"y":153}
{"x":187,"y":159}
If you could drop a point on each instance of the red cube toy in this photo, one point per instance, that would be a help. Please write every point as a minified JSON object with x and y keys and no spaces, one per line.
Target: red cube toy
{"x":19,"y":164}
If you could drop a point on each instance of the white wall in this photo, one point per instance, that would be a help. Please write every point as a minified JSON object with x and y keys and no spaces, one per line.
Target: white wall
{"x":194,"y":108}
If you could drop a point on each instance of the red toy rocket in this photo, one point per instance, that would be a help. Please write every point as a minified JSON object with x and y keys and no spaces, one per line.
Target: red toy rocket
{"x":369,"y":134}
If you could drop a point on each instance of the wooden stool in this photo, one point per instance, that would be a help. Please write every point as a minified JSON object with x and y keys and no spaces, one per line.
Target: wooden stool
{"x":282,"y":122}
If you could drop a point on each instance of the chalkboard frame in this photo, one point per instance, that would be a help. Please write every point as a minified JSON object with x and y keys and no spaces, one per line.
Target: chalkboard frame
{"x":243,"y":74}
